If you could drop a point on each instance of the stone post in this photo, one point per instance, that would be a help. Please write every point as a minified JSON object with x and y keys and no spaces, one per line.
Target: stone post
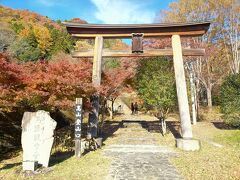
{"x":78,"y":127}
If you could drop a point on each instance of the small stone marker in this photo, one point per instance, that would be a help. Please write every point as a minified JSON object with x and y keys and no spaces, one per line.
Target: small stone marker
{"x":37,"y":139}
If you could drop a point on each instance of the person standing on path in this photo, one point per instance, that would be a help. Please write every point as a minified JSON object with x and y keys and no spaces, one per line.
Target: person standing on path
{"x":132,"y":107}
{"x":136,"y":108}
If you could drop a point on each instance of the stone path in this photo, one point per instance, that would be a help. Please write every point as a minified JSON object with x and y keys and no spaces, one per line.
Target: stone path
{"x":137,"y":155}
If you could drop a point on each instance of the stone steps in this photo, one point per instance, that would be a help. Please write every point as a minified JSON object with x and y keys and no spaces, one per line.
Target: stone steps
{"x":138,"y":148}
{"x":136,"y":154}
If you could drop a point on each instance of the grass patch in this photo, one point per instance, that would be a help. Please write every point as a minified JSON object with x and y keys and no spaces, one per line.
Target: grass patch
{"x":229,"y":137}
{"x":91,"y":166}
{"x":211,"y":162}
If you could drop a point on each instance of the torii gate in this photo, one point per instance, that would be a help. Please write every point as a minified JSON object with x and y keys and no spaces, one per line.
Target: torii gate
{"x":99,"y":32}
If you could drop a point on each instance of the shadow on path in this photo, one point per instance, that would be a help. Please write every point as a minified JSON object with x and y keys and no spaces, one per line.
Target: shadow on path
{"x":155,"y":127}
{"x":109,"y":128}
{"x":174,"y":127}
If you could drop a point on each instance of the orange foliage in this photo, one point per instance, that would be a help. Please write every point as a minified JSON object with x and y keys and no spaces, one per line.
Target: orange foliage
{"x":78,"y":20}
{"x":24,"y":33}
{"x":25,"y":16}
{"x":43,"y":85}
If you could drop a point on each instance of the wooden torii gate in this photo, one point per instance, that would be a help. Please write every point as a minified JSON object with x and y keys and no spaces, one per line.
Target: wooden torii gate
{"x":99,"y":32}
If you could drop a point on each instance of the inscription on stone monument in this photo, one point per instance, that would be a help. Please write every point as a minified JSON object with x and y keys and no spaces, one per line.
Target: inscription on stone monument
{"x":37,"y":139}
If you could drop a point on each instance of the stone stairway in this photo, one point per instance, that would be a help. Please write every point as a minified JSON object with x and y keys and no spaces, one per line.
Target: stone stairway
{"x":137,"y":155}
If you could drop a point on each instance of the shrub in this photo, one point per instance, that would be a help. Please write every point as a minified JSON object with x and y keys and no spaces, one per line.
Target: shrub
{"x":230,"y":100}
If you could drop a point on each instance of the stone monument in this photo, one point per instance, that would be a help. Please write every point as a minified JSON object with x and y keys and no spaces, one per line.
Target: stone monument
{"x":37,"y":139}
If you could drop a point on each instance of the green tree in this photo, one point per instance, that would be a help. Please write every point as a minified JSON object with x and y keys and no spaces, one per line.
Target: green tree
{"x":62,"y":41}
{"x":155,"y":83}
{"x":230,"y":100}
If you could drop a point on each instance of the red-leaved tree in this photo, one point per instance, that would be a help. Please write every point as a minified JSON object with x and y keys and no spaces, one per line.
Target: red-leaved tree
{"x":10,"y":83}
{"x":55,"y":85}
{"x":115,"y":81}
{"x":42,"y":85}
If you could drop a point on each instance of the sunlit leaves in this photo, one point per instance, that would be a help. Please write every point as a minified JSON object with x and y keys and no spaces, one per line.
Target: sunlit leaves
{"x":43,"y":38}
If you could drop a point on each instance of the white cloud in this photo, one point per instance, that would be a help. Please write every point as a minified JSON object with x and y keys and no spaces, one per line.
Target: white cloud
{"x":123,"y":11}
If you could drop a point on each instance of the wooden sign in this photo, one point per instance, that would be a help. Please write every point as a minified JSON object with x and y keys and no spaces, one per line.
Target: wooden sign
{"x":78,"y":126}
{"x":137,"y":44}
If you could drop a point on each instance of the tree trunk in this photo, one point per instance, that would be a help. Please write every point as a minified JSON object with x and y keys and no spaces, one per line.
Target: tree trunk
{"x":112,"y":108}
{"x":93,"y":117}
{"x":111,"y":113}
{"x":193,"y":90}
{"x":209,"y":97}
{"x":103,"y":109}
{"x":197,"y":74}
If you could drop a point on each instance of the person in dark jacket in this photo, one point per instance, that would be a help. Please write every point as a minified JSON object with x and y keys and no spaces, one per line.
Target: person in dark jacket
{"x":136,"y":108}
{"x":132,"y":107}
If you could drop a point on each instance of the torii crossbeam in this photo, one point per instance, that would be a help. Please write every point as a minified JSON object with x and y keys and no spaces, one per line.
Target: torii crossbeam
{"x":137,"y":32}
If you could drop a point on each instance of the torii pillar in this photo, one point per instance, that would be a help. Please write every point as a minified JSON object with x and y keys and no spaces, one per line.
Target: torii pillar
{"x":96,"y":80}
{"x":186,"y":142}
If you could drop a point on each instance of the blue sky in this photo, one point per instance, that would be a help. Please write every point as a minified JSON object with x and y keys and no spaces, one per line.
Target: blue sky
{"x":94,"y":11}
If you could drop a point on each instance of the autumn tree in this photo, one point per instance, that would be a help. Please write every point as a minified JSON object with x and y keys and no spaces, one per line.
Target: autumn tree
{"x":77,"y":20}
{"x":10,"y":83}
{"x":224,"y":17}
{"x":231,"y":33}
{"x":207,"y":70}
{"x":36,"y":32}
{"x":43,"y":38}
{"x":115,"y":80}
{"x":41,"y":85}
{"x":54,"y":84}
{"x":218,"y":12}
